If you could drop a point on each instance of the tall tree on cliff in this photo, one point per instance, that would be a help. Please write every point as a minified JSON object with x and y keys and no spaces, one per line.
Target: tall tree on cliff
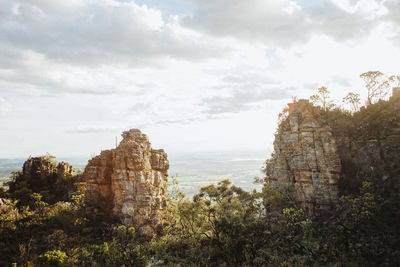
{"x":353,"y":100}
{"x":395,"y":80}
{"x":376,"y":84}
{"x":322,"y":98}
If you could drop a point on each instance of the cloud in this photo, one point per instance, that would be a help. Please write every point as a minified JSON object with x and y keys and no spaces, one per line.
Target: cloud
{"x":58,"y":81}
{"x":4,"y":107}
{"x":275,"y":21}
{"x":392,"y":17}
{"x":141,"y":107}
{"x":243,"y":90}
{"x":393,"y":9}
{"x":101,"y":129}
{"x":249,"y":77}
{"x":243,"y":98}
{"x":93,"y":129}
{"x":283,"y":22}
{"x":178,"y":121}
{"x":91,"y":47}
{"x":98,"y":32}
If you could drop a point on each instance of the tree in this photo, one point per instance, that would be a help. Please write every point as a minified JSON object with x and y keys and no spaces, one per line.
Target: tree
{"x":322,"y":98}
{"x":221,"y":226}
{"x":376,"y":85}
{"x":283,"y":115}
{"x":353,"y":100}
{"x":395,"y":80}
{"x":53,"y":258}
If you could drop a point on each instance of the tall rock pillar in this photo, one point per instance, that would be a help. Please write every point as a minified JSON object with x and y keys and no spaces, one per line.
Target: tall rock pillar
{"x":305,"y":157}
{"x":130,"y":181}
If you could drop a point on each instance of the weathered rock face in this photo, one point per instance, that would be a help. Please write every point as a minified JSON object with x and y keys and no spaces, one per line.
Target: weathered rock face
{"x":130,"y":181}
{"x":44,"y":167}
{"x":305,"y":157}
{"x":43,"y":172}
{"x":44,"y":176}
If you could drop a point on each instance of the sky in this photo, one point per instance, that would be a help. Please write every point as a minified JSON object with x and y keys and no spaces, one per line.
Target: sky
{"x":194,"y":75}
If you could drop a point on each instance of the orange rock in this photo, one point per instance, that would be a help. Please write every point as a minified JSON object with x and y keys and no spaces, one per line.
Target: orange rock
{"x":305,"y":157}
{"x":130,"y":182}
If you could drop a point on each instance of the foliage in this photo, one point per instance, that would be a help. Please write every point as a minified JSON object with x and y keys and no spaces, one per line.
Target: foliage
{"x":323,"y":98}
{"x":42,"y":178}
{"x":353,"y":100}
{"x":376,"y":84}
{"x":222,"y":225}
{"x":53,"y":258}
{"x":394,"y":80}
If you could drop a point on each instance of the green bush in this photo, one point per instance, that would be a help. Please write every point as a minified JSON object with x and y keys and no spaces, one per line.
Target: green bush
{"x":53,"y":258}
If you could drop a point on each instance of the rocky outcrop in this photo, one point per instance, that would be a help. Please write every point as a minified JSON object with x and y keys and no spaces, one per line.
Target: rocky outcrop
{"x":130,"y":181}
{"x":321,"y":154}
{"x":305,"y":157}
{"x":45,"y":176}
{"x":44,"y":167}
{"x":371,"y":149}
{"x":42,"y":173}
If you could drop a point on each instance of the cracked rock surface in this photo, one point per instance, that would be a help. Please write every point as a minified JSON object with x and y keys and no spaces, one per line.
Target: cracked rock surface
{"x":305,"y":157}
{"x":130,"y":181}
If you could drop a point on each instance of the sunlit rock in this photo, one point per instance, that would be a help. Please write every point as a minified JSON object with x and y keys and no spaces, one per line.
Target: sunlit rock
{"x":130,"y":182}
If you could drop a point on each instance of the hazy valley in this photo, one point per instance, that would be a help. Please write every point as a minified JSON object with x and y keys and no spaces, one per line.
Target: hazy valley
{"x":192,"y":170}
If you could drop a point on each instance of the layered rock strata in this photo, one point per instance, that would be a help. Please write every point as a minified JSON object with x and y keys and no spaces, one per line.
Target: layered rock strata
{"x":130,"y":181}
{"x":305,"y":158}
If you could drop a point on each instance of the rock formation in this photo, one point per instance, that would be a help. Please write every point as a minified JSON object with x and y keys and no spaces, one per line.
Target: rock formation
{"x":45,"y":176}
{"x":130,"y":181}
{"x":319,"y":153}
{"x":44,"y":167}
{"x":43,"y":173}
{"x":305,"y":157}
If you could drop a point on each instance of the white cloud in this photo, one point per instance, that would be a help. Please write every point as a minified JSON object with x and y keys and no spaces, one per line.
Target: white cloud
{"x":98,"y":32}
{"x":270,"y":21}
{"x":393,"y":7}
{"x":91,"y":47}
{"x":94,"y":129}
{"x":84,"y":70}
{"x":285,"y":22}
{"x":393,"y":19}
{"x":4,"y":107}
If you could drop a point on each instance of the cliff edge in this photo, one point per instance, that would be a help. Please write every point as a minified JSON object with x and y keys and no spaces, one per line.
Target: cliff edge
{"x":322,"y":154}
{"x":305,"y":157}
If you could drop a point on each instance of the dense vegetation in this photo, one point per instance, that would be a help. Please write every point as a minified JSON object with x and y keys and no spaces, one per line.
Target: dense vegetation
{"x":222,"y":225}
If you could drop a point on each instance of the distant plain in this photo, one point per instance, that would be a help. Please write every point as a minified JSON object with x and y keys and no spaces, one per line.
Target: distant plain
{"x":192,"y":170}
